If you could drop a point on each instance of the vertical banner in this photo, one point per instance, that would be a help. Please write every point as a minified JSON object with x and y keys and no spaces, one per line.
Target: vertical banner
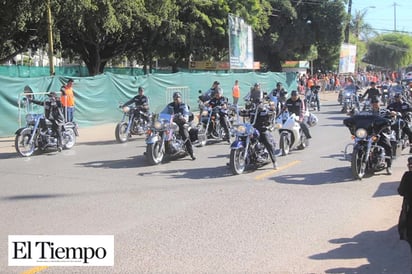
{"x":240,"y":43}
{"x":347,"y":59}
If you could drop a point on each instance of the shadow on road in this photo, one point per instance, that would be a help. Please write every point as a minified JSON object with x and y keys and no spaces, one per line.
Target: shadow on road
{"x":196,"y":173}
{"x":383,"y":250}
{"x":32,"y":197}
{"x":131,"y":162}
{"x":330,"y":176}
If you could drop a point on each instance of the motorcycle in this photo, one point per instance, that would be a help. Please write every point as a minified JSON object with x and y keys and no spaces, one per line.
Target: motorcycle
{"x":247,"y":150}
{"x":312,"y":97}
{"x":134,"y":122}
{"x":349,"y":99}
{"x":209,"y":127}
{"x":385,"y":93}
{"x":399,"y":140}
{"x":291,"y":134}
{"x":37,"y":134}
{"x":367,"y":155}
{"x":164,"y":140}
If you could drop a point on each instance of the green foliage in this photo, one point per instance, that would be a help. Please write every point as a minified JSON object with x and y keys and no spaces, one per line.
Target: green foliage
{"x":391,"y":51}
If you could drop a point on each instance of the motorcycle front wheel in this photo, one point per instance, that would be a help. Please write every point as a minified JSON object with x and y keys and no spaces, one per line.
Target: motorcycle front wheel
{"x":358,"y":164}
{"x":22,"y":145}
{"x":155,"y":153}
{"x":201,"y":135}
{"x":284,"y":144}
{"x":237,"y":161}
{"x":69,"y":138}
{"x":121,"y":132}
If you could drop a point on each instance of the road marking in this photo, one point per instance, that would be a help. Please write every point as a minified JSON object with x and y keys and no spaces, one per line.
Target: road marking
{"x":267,"y":174}
{"x":35,"y":270}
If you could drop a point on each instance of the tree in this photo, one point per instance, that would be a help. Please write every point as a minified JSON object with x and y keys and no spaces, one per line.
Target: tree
{"x":392,"y":50}
{"x":20,"y":25}
{"x":297,"y":25}
{"x":97,"y":31}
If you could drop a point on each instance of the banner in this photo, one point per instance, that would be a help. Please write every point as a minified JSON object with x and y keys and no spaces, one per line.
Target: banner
{"x":240,"y":43}
{"x":347,"y":59}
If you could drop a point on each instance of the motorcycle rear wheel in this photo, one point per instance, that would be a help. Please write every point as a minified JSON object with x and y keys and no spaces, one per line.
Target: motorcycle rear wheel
{"x":121,"y":132}
{"x":155,"y":153}
{"x":284,"y":144}
{"x":69,"y":138}
{"x":358,"y":164}
{"x":237,"y":162}
{"x":22,"y":145}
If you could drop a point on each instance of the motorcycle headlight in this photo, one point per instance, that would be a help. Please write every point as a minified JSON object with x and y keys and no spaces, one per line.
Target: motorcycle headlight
{"x":30,"y":118}
{"x":174,"y":127}
{"x":361,"y":133}
{"x":126,"y":109}
{"x":240,"y":129}
{"x":157,"y":125}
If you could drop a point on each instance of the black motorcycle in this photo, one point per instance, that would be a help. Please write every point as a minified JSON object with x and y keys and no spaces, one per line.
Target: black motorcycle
{"x":134,"y":122}
{"x":400,"y":140}
{"x":37,"y":134}
{"x":367,"y":155}
{"x":247,"y":150}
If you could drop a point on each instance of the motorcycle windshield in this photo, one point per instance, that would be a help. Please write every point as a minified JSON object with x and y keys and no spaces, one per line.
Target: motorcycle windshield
{"x":165,"y":116}
{"x":372,"y":123}
{"x":349,"y":91}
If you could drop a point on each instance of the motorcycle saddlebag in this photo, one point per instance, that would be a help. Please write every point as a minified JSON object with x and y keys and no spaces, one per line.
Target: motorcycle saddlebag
{"x":193,"y":132}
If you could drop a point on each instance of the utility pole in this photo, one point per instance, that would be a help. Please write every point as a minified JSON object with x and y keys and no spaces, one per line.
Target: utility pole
{"x":50,"y":38}
{"x":394,"y":16}
{"x":347,"y":25}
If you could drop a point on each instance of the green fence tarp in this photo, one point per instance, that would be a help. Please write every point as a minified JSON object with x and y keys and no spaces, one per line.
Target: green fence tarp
{"x":98,"y":97}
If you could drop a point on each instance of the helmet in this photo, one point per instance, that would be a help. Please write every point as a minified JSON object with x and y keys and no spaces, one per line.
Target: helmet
{"x":312,"y":120}
{"x":177,"y":95}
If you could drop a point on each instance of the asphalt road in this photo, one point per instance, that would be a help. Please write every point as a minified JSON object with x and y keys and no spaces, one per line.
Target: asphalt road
{"x":309,"y":216}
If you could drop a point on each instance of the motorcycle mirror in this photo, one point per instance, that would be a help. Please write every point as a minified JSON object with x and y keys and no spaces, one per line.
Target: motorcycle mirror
{"x":200,"y":91}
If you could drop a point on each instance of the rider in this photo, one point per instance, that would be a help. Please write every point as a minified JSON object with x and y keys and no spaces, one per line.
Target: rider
{"x":210,"y":93}
{"x":315,"y":91}
{"x":403,"y":108}
{"x":181,"y":118}
{"x":53,"y":111}
{"x":372,"y":92}
{"x":263,"y":122}
{"x":141,"y":102}
{"x":221,"y":102}
{"x":295,"y":105}
{"x":384,"y":139}
{"x":279,"y":92}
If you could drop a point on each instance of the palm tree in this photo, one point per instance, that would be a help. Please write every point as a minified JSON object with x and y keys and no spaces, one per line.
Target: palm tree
{"x":362,"y":31}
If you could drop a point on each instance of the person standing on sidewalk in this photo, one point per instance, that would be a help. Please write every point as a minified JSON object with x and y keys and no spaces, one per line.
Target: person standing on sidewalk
{"x":405,"y":218}
{"x":236,"y":92}
{"x":67,"y":100}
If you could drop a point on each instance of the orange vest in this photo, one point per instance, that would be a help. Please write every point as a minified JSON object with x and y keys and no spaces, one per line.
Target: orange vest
{"x":68,"y":99}
{"x":236,"y":91}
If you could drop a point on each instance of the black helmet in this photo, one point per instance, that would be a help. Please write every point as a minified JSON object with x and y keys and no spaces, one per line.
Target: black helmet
{"x":177,"y":95}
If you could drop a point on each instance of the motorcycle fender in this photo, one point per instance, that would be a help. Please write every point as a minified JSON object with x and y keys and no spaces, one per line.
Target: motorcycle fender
{"x":237,"y":145}
{"x":152,"y":139}
{"x":19,"y":130}
{"x":73,"y":126}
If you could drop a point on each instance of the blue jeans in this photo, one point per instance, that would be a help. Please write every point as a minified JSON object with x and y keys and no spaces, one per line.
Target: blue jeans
{"x":69,"y":112}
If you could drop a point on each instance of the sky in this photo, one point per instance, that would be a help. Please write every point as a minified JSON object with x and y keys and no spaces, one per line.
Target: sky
{"x":382,"y":16}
